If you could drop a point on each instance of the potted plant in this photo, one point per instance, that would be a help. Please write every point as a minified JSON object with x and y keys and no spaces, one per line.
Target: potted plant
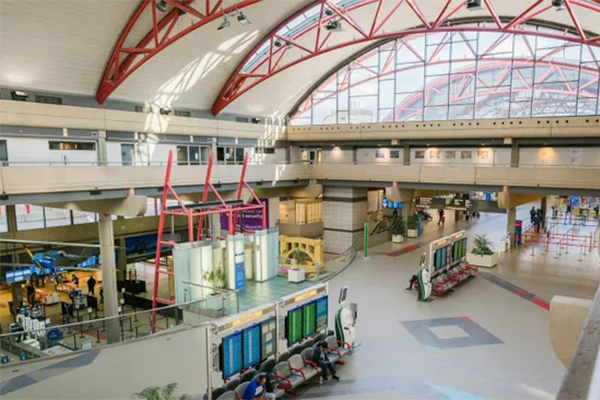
{"x":218,"y":278}
{"x":398,"y":229}
{"x":412,"y":226}
{"x":161,"y":393}
{"x":482,"y":254}
{"x":296,"y":273}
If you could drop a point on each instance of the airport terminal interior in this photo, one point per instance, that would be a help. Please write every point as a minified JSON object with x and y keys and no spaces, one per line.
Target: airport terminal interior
{"x":321,"y":199}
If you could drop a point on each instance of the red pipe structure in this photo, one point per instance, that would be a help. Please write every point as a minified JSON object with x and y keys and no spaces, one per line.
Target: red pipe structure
{"x":257,"y":68}
{"x":125,"y":60}
{"x":199,"y":210}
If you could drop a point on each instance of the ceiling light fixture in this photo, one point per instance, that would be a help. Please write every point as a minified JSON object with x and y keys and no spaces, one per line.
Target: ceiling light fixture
{"x":558,"y":4}
{"x":474,"y":5}
{"x":161,"y":6}
{"x":333,"y":26}
{"x":224,"y":24}
{"x":242,"y":19}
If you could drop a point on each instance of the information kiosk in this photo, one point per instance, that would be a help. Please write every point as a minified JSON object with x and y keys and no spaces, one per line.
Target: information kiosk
{"x":345,"y":319}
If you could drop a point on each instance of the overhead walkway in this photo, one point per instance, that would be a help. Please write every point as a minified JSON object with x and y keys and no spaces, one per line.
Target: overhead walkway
{"x":20,"y":185}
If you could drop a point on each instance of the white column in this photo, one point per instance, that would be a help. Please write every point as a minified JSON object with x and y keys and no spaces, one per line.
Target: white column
{"x":109,"y":276}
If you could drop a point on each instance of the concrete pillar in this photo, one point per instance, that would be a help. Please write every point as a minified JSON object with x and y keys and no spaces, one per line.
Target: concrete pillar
{"x":406,"y":154}
{"x":121,"y":260}
{"x":17,"y":294}
{"x":514,"y":155}
{"x":11,"y":220}
{"x":344,"y":217}
{"x":511,"y":219}
{"x":544,"y":207}
{"x":109,"y":276}
{"x":102,"y":150}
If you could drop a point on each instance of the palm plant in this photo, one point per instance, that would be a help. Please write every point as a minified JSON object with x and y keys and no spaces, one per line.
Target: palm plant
{"x":483,"y":246}
{"x":217,"y":276}
{"x":161,"y":393}
{"x":299,"y":256}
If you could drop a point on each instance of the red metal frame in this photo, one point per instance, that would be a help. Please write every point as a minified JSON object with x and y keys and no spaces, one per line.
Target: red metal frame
{"x":241,"y":82}
{"x":197,"y":211}
{"x":125,"y":60}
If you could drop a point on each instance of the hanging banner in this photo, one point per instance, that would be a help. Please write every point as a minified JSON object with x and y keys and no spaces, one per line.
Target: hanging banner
{"x":251,"y":219}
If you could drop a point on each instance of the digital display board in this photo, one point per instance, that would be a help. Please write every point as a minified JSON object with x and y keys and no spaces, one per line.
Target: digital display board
{"x":322,"y":313}
{"x":268,"y":337}
{"x":251,"y":346}
{"x":294,"y":326}
{"x":309,"y":317}
{"x":231,"y":355}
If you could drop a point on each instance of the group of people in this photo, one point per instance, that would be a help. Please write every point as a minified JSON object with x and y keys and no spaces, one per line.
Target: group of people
{"x":257,"y":389}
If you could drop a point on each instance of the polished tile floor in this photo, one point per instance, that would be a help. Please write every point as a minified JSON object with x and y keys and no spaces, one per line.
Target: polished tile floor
{"x":481,"y":341}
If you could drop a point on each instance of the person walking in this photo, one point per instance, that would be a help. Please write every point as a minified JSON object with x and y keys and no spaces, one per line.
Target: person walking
{"x":441,"y":219}
{"x":320,"y":358}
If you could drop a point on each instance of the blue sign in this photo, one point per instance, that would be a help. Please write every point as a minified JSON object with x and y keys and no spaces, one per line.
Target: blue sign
{"x":54,"y":335}
{"x":385,"y":202}
{"x":23,"y":357}
{"x":397,"y":206}
{"x":240,"y":275}
{"x":5,"y":359}
{"x":575,"y":201}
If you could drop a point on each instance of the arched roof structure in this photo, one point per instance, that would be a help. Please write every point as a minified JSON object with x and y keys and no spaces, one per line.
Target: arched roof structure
{"x":132,"y":50}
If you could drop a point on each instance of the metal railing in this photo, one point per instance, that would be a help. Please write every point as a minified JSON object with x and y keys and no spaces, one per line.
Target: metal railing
{"x":295,"y":162}
{"x":69,"y":338}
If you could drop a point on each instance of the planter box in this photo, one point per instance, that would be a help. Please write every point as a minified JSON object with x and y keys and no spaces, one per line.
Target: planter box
{"x":296,"y":275}
{"x":412,"y":233}
{"x":397,"y":238}
{"x":483,"y":261}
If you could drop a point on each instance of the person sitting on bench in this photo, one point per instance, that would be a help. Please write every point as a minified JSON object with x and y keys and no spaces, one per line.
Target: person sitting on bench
{"x":320,"y":358}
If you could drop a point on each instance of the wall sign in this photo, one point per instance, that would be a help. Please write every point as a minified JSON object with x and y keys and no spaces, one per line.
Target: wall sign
{"x":251,"y":219}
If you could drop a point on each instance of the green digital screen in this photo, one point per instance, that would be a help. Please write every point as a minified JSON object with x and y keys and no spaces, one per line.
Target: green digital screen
{"x":294,"y":326}
{"x":310,"y":318}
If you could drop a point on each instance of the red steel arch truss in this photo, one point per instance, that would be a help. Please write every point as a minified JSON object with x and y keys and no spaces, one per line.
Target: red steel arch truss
{"x":127,"y":58}
{"x":270,"y":56}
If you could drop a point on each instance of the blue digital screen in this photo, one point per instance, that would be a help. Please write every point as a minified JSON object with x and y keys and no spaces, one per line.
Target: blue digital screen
{"x":251,"y":346}
{"x":232,"y":355}
{"x":322,"y":313}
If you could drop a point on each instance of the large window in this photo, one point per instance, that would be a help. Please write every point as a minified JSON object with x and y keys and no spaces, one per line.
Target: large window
{"x":90,"y":146}
{"x":459,"y":75}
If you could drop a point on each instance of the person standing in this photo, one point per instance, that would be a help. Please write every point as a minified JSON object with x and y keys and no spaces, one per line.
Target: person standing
{"x":75,"y":280}
{"x":91,"y":283}
{"x":320,"y":358}
{"x":256,"y":389}
{"x":30,"y":293}
{"x":441,"y":216}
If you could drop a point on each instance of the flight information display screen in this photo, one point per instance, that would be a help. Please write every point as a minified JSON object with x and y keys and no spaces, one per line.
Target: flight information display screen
{"x":294,"y":326}
{"x":268,"y":338}
{"x":322,"y":313}
{"x":309,"y":312}
{"x":231,"y":355}
{"x":251,"y":346}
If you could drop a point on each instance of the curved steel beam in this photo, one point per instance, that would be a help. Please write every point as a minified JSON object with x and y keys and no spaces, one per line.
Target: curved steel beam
{"x":125,"y":60}
{"x":240,"y":82}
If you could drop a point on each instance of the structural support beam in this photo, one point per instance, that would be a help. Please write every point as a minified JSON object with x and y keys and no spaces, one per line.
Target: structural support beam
{"x":109,"y":277}
{"x":131,"y":206}
{"x":265,"y":60}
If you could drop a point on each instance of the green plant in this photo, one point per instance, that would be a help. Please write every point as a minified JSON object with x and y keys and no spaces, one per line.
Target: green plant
{"x":217,"y":276}
{"x":483,"y":246}
{"x":398,"y":226}
{"x":161,"y":393}
{"x":412,"y":222}
{"x":299,"y":256}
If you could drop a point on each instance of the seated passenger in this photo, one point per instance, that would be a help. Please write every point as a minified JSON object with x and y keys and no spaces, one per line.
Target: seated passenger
{"x":256,"y":389}
{"x":320,"y":358}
